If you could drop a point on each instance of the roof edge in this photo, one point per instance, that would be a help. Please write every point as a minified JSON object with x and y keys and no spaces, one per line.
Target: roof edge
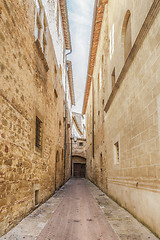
{"x":91,"y":61}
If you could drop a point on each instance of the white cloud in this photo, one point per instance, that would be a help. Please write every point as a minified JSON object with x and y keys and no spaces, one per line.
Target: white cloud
{"x":80,"y":20}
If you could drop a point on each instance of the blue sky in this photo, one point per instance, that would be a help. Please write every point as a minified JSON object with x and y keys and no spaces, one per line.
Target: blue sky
{"x":80,"y":13}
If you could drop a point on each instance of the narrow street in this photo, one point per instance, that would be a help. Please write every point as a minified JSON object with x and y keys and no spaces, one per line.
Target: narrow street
{"x":78,"y":217}
{"x":79,"y":211}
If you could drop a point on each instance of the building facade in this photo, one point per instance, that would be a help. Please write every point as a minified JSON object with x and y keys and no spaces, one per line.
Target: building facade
{"x":122,"y":106}
{"x":36,"y":95}
{"x":78,"y":145}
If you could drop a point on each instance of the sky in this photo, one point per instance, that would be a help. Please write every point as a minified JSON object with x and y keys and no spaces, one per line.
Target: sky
{"x":80,"y":13}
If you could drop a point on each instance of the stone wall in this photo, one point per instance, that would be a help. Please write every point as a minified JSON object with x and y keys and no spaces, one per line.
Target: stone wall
{"x":79,"y":147}
{"x":129,"y":173}
{"x":30,"y":86}
{"x":78,"y":152}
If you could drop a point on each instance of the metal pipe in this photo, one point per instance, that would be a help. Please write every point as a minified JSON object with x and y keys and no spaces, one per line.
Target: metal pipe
{"x":65,"y":137}
{"x":69,"y":52}
{"x":92,"y":114}
{"x":71,"y":158}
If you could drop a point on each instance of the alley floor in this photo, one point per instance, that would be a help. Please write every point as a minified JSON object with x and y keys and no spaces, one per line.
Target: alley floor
{"x":79,"y":211}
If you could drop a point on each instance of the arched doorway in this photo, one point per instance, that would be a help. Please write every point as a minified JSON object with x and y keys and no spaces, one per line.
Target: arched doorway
{"x":101,"y":169}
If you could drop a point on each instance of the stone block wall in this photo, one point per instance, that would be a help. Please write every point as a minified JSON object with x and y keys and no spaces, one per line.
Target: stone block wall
{"x":27,"y":91}
{"x":126,"y":135}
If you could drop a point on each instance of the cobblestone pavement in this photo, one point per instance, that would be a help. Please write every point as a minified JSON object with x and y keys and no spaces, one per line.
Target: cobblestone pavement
{"x":79,"y":211}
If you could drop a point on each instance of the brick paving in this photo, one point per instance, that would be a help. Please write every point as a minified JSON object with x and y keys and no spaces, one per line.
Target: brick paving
{"x":79,"y":211}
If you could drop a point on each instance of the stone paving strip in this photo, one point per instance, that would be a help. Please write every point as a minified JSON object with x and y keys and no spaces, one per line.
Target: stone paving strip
{"x":123,"y":223}
{"x":41,"y":223}
{"x":31,"y":226}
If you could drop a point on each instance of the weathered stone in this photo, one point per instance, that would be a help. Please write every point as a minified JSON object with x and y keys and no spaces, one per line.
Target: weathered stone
{"x":2,"y":67}
{"x":8,"y":161}
{"x":4,"y":122}
{"x":2,"y":37}
{"x":26,"y":164}
{"x":6,"y":149}
{"x":1,"y":154}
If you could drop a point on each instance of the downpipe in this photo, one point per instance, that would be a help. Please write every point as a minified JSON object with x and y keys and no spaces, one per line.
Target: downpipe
{"x":65,"y":137}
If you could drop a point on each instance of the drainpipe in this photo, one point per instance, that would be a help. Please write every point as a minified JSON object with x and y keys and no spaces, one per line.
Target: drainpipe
{"x":92,"y":115}
{"x":65,"y":137}
{"x":71,"y":157}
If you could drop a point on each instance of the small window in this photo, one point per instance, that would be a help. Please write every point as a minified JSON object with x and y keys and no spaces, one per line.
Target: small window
{"x":57,"y":157}
{"x":36,"y":197}
{"x":101,"y":161}
{"x":102,"y":59}
{"x":116,"y":153}
{"x":38,"y":136}
{"x":126,"y":34}
{"x":100,"y":78}
{"x":81,"y":144}
{"x":113,"y":78}
{"x":98,"y":85}
{"x":111,"y":40}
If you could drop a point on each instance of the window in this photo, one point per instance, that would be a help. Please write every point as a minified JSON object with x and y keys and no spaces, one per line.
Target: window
{"x":116,"y":153}
{"x":98,"y":85}
{"x":36,"y":197}
{"x":111,"y":39}
{"x":103,"y":62}
{"x":38,"y":136}
{"x":126,"y":35}
{"x":81,"y":144}
{"x":113,"y":78}
{"x":60,"y":72}
{"x":41,"y":25}
{"x":101,"y":162}
{"x":62,"y":155}
{"x":57,"y":156}
{"x":102,"y":59}
{"x":100,"y":77}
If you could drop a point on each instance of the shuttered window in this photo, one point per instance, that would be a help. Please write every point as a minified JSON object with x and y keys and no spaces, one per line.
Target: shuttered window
{"x":38,"y":141}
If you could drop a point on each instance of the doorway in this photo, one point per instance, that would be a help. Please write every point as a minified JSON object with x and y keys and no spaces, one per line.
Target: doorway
{"x":79,"y":170}
{"x":57,"y":171}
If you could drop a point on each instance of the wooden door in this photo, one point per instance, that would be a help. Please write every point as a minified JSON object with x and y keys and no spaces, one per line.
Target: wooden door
{"x":79,"y":170}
